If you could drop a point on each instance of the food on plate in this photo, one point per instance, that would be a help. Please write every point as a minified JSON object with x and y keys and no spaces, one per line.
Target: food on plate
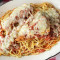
{"x":29,"y":29}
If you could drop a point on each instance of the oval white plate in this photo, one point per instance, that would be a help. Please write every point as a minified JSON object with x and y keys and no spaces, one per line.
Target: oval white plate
{"x":42,"y":56}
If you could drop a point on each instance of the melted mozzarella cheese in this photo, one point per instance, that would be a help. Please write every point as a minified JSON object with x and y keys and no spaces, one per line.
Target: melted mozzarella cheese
{"x":52,"y":13}
{"x":6,"y":24}
{"x":41,"y":24}
{"x":11,"y":19}
{"x":24,"y":30}
{"x":8,"y":39}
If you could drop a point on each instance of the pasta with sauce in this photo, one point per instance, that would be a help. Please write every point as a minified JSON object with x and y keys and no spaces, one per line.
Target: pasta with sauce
{"x":29,"y":29}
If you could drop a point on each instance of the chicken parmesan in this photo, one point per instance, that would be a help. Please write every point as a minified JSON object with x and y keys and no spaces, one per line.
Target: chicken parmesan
{"x":29,"y":29}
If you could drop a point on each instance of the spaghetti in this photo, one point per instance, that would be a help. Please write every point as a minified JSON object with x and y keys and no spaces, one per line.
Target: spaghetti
{"x":29,"y":30}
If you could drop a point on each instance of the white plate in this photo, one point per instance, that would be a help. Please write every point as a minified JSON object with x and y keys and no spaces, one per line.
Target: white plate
{"x":42,"y":56}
